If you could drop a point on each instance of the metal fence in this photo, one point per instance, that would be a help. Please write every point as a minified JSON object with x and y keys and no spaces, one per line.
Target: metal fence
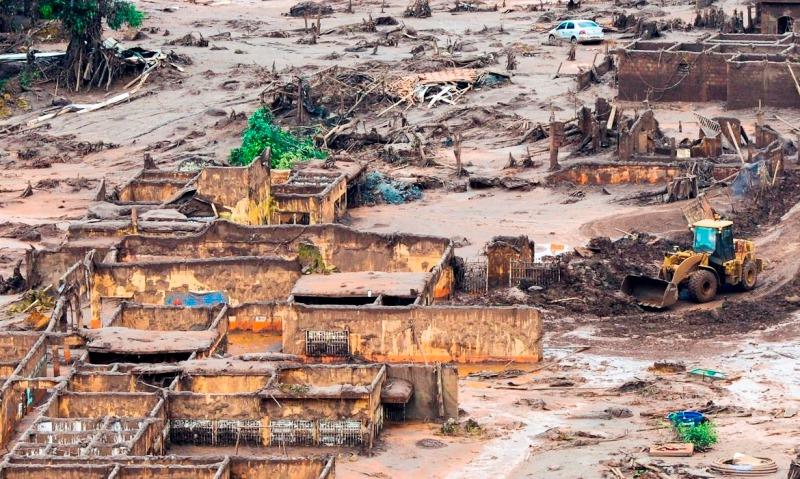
{"x":534,"y":273}
{"x":218,"y":432}
{"x":340,"y":433}
{"x":292,"y":432}
{"x":476,"y":277}
{"x":328,"y":343}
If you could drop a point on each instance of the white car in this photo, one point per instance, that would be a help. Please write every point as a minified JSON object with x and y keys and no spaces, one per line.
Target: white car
{"x":577,"y":31}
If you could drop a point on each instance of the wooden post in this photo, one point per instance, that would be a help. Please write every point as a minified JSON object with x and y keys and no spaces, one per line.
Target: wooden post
{"x":556,"y":132}
{"x":67,"y":354}
{"x":56,"y":363}
{"x":134,"y":221}
{"x":595,"y":136}
{"x":440,"y":389}
{"x":299,"y":100}
{"x":457,"y":153}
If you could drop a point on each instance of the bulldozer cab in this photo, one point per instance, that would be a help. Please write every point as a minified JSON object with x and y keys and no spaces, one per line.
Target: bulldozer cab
{"x":715,"y":238}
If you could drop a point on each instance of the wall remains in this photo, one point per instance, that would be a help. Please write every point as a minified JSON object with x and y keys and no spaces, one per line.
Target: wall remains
{"x":738,"y":68}
{"x":422,"y":334}
{"x":241,"y":279}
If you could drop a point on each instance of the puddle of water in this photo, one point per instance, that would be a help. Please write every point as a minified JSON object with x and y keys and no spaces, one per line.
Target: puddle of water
{"x":501,"y":456}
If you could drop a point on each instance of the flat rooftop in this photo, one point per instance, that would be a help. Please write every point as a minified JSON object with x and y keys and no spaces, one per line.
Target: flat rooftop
{"x":362,"y":283}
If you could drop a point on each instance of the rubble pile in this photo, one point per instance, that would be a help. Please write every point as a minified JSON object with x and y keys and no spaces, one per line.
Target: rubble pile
{"x":594,"y":274}
{"x":379,"y":188}
{"x":769,"y":205}
{"x":330,"y":96}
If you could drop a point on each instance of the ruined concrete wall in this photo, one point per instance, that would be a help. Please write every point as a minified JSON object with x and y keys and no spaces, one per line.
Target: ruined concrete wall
{"x":154,"y":472}
{"x":314,"y":408}
{"x":639,"y":173}
{"x":765,"y":135}
{"x":188,"y":405}
{"x":424,"y":403}
{"x":44,"y":267}
{"x":172,"y":175}
{"x":418,"y":334}
{"x":347,"y":249}
{"x":74,"y":471}
{"x":584,"y":78}
{"x":240,"y":279}
{"x":114,"y":382}
{"x":636,"y":138}
{"x":14,"y":346}
{"x":328,"y":375}
{"x":97,"y":405}
{"x":164,"y":318}
{"x":257,"y":468}
{"x":769,"y":82}
{"x":149,"y":191}
{"x":322,"y":208}
{"x":239,"y":467}
{"x":222,"y":383}
{"x":245,"y":191}
{"x":25,"y":356}
{"x":257,"y":317}
{"x":599,"y":174}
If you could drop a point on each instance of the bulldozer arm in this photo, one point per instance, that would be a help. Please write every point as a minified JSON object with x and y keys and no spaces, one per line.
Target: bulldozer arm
{"x":652,"y":292}
{"x":687,"y":267}
{"x":658,"y":293}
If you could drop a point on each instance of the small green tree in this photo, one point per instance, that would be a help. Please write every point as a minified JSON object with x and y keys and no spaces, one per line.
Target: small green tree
{"x":285,"y":149}
{"x":83,"y":20}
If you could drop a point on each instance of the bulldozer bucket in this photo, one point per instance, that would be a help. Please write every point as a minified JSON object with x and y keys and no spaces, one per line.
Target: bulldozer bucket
{"x":652,"y":292}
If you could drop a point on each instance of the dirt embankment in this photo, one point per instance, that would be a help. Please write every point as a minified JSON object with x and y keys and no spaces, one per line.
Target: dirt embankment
{"x":769,"y":205}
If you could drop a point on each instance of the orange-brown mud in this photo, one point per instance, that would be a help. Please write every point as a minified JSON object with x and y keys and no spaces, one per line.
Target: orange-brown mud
{"x":546,"y":424}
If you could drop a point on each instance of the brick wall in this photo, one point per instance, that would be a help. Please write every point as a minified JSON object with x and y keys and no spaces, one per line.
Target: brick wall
{"x":672,"y":76}
{"x":768,"y":81}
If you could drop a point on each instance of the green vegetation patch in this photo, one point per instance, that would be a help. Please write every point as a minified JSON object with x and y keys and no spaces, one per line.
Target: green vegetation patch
{"x":285,"y":148}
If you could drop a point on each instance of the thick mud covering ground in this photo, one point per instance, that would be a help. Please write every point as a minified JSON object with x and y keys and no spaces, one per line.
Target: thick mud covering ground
{"x":590,"y":278}
{"x":768,"y":206}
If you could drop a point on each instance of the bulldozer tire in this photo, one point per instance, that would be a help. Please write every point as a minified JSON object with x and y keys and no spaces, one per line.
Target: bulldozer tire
{"x":702,"y":286}
{"x":749,"y":276}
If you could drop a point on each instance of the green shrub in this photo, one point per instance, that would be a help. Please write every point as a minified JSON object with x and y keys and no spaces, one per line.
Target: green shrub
{"x":285,"y":148}
{"x":703,"y":436}
{"x":78,"y":15}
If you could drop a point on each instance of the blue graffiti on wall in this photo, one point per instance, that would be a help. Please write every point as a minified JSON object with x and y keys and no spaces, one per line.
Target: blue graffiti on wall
{"x":196,"y":300}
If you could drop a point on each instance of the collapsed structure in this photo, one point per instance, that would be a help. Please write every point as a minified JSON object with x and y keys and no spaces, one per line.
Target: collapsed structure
{"x":159,"y":339}
{"x":254,"y":194}
{"x":743,"y":70}
{"x":722,"y":152}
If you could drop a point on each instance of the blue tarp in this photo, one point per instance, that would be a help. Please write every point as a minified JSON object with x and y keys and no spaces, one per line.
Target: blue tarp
{"x":749,"y":179}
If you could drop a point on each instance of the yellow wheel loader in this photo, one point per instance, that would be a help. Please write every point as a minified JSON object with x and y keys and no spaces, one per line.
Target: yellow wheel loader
{"x":716,"y":259}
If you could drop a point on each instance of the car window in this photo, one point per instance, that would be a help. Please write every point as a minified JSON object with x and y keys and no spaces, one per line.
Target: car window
{"x":569,"y":26}
{"x":561,"y":26}
{"x":587,"y":24}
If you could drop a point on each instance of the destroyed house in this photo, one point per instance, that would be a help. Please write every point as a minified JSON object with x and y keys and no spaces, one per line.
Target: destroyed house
{"x":310,"y":193}
{"x":331,"y":292}
{"x":179,"y":467}
{"x":777,"y":16}
{"x":743,"y":70}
